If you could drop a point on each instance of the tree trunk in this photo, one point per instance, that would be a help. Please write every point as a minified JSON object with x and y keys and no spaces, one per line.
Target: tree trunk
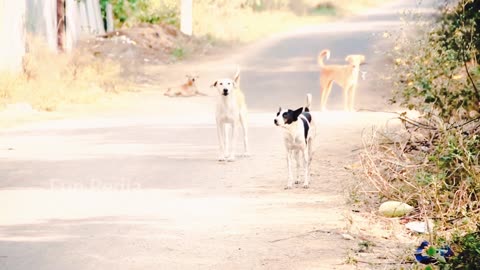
{"x":61,"y":25}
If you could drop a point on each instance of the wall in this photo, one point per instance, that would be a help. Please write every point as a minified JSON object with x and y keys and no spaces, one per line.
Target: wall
{"x":41,"y":20}
{"x":22,"y":18}
{"x":12,"y":32}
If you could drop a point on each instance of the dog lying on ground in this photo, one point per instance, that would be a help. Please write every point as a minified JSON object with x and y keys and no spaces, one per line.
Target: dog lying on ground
{"x":346,"y":76}
{"x":299,"y":132}
{"x":231,"y":110}
{"x":188,"y":89}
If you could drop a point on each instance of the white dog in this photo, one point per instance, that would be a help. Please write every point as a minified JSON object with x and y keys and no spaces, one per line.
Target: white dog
{"x":231,"y":111}
{"x":299,"y":134}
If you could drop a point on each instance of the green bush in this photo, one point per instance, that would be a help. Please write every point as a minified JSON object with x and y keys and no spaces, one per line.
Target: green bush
{"x":463,"y":22}
{"x":434,"y":162}
{"x":441,"y":154}
{"x":440,"y":77}
{"x":468,"y":257}
{"x":129,"y":12}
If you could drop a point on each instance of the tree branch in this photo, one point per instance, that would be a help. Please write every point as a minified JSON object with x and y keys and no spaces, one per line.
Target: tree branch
{"x":477,"y":93}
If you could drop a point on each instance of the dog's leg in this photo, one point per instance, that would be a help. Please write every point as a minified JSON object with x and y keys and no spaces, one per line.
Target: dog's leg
{"x":298,"y":161}
{"x":243,"y":123}
{"x":289,"y":165}
{"x":306,"y":162}
{"x":226,"y":141}
{"x":231,"y":143}
{"x":323,"y":92}
{"x":353,"y":89}
{"x":185,"y":94}
{"x":346,"y":91}
{"x":221,"y":140}
{"x":326,"y":89}
{"x":310,"y":150}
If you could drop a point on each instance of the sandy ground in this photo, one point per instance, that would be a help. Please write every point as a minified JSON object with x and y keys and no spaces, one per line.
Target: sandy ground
{"x":140,"y":188}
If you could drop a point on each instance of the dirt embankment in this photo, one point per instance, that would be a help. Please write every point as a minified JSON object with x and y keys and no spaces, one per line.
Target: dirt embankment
{"x":146,"y":43}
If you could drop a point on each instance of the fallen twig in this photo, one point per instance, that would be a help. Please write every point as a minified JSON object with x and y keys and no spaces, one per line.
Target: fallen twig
{"x":300,"y":235}
{"x":381,"y":263}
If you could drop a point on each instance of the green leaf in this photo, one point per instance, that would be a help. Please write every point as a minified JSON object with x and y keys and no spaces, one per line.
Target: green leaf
{"x":431,"y":251}
{"x":441,"y":259}
{"x":429,"y":99}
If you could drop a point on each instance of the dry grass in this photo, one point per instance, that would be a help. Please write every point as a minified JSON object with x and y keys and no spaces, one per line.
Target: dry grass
{"x":51,"y":80}
{"x":430,"y":165}
{"x":246,"y":25}
{"x":248,"y":20}
{"x":236,"y":24}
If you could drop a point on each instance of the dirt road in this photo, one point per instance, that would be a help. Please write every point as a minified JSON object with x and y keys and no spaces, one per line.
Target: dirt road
{"x":141,"y":189}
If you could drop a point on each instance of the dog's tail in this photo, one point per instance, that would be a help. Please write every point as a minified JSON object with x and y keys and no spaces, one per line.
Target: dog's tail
{"x":322,"y":55}
{"x":309,"y":102}
{"x":236,"y":78}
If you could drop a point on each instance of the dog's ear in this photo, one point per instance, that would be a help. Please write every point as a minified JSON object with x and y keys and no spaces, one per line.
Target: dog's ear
{"x":356,"y":59}
{"x":349,"y":59}
{"x":236,"y":78}
{"x":297,"y":113}
{"x":214,"y":84}
{"x":362,"y":59}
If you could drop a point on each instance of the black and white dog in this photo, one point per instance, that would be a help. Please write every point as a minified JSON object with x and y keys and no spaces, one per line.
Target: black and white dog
{"x":299,"y":134}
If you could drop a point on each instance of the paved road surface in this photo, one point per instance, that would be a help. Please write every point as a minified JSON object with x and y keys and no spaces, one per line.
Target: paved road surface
{"x":146,"y":192}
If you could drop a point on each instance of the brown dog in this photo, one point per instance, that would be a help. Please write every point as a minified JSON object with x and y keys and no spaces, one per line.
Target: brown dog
{"x":188,"y":89}
{"x":346,"y":76}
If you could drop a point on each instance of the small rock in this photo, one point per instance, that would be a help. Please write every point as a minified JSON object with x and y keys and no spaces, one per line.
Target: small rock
{"x":19,"y":108}
{"x":420,"y":226}
{"x":347,"y":236}
{"x":364,"y":75}
{"x":394,"y":209}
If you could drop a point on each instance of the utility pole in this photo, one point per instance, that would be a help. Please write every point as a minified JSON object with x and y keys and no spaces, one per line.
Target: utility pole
{"x":186,"y":17}
{"x":61,"y":25}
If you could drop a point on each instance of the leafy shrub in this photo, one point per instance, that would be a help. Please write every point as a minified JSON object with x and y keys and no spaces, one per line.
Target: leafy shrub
{"x":130,"y":12}
{"x":178,"y":53}
{"x":440,"y":76}
{"x":468,"y":255}
{"x":463,"y":22}
{"x":433,"y":163}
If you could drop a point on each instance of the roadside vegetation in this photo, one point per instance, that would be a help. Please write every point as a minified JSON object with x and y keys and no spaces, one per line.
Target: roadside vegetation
{"x":235,"y":20}
{"x":433,"y":162}
{"x":50,"y":80}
